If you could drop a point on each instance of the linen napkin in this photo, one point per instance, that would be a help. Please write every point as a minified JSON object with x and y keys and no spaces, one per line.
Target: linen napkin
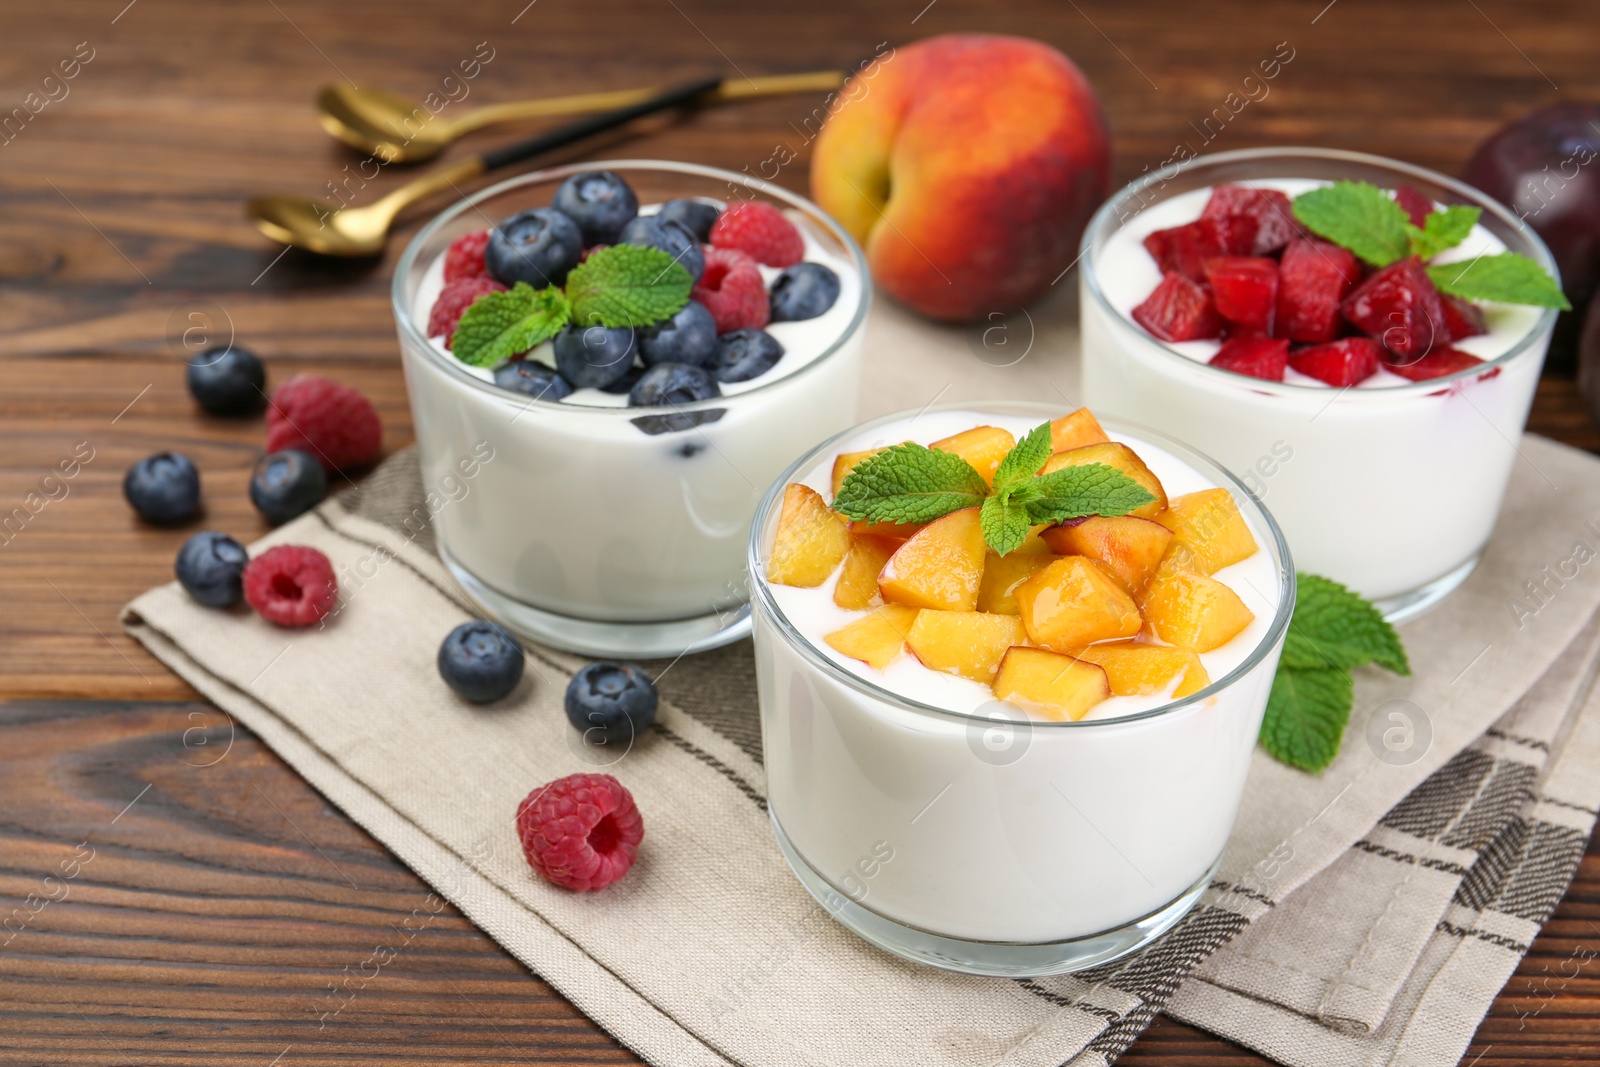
{"x":1419,"y":872}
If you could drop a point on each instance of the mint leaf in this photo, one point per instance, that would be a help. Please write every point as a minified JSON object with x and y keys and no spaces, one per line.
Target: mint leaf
{"x":1442,"y":229}
{"x":1306,"y":715}
{"x":497,"y":326}
{"x":1024,"y":460}
{"x":1005,"y":523}
{"x":909,"y":483}
{"x":1334,"y":627}
{"x":1087,"y":489}
{"x":627,"y":285}
{"x":1506,"y":278}
{"x":1358,"y":216}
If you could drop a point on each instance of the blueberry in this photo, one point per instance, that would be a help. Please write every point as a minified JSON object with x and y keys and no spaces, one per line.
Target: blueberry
{"x":592,"y":357}
{"x":481,"y":661}
{"x":210,"y":566}
{"x":599,"y":202}
{"x":695,"y":215}
{"x":533,"y":379}
{"x":745,"y":354}
{"x":669,"y":384}
{"x":228,"y":380}
{"x":690,"y":337}
{"x":538,"y":246}
{"x":163,"y":488}
{"x":286,"y":484}
{"x":611,"y":702}
{"x":624,"y":385}
{"x":673,"y":238}
{"x":803,"y":291}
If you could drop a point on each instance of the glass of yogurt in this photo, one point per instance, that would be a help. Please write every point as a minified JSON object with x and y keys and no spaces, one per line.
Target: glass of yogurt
{"x":1390,"y":486}
{"x":977,"y":834}
{"x":599,"y":527}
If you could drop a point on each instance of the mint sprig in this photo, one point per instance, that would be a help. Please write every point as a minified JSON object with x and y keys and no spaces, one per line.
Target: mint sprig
{"x":498,"y":326}
{"x":909,"y":483}
{"x":1357,"y":216}
{"x":1507,"y":278}
{"x":1332,"y":632}
{"x":1442,"y":229}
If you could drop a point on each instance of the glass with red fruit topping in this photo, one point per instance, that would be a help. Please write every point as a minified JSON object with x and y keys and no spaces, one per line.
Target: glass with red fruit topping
{"x":607,"y":364}
{"x":1356,"y":338}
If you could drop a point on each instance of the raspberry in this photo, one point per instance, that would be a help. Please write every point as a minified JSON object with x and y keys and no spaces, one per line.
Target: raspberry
{"x":453,"y":300}
{"x":291,"y":585}
{"x":760,"y":231}
{"x":331,"y":421}
{"x":580,"y":832}
{"x":732,"y":290}
{"x":464,"y":257}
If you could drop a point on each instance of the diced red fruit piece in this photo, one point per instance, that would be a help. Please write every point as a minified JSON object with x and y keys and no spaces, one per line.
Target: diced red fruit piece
{"x":1270,"y":208}
{"x":454,"y":299}
{"x":1339,"y":363}
{"x":1416,"y":204}
{"x":291,"y":585}
{"x":732,"y":290}
{"x":330,"y":421}
{"x":1185,"y":249}
{"x":1462,"y":319}
{"x":1179,"y":310}
{"x":1244,"y":290}
{"x":760,"y":231}
{"x":464,"y":257}
{"x":1400,"y":307}
{"x":581,"y":832}
{"x":1259,"y":357}
{"x":1436,"y":364}
{"x":1313,"y":277}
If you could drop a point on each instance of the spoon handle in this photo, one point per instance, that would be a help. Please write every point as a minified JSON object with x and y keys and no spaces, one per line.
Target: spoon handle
{"x":562,"y":136}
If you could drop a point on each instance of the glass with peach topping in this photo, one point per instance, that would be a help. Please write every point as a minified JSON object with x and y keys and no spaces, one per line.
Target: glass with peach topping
{"x":1012,"y":664}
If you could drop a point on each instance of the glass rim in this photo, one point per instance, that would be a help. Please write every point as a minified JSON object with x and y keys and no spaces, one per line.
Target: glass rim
{"x":411,"y":335}
{"x":761,"y":593}
{"x":1106,"y":220}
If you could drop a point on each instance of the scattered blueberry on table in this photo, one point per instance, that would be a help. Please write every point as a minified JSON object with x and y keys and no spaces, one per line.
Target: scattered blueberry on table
{"x":210,"y":567}
{"x":481,"y":661}
{"x":228,"y":380}
{"x":163,"y":488}
{"x":287,"y":484}
{"x":611,"y":702}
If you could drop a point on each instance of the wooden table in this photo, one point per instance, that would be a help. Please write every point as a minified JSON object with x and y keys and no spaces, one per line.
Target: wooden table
{"x":224,"y":897}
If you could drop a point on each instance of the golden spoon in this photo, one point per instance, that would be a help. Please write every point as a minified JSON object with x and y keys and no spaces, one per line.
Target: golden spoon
{"x":392,"y":129}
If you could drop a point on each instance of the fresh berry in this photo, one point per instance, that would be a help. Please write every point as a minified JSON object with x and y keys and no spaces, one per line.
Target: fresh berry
{"x":1436,"y":364}
{"x":673,"y":238}
{"x":624,"y":385}
{"x":1178,"y":310}
{"x":163,"y":488}
{"x":287,"y":484}
{"x":331,"y":421}
{"x":228,"y":380}
{"x":803,"y":291}
{"x":1270,"y":208}
{"x":600,"y":203}
{"x":1462,"y":319}
{"x":670,"y":384}
{"x":581,"y":832}
{"x":733,"y":291}
{"x":464,"y":258}
{"x":1244,"y":290}
{"x":210,"y":568}
{"x":695,"y":215}
{"x":690,"y":336}
{"x":1259,"y":357}
{"x":592,"y":357}
{"x":1414,"y":203}
{"x":533,"y":379}
{"x":1185,"y":249}
{"x":1340,"y":363}
{"x":1313,"y":277}
{"x":1399,"y":306}
{"x":291,"y":585}
{"x":745,"y":354}
{"x":481,"y":661}
{"x":454,"y":299}
{"x":538,"y":246}
{"x":611,"y":702}
{"x":761,"y":232}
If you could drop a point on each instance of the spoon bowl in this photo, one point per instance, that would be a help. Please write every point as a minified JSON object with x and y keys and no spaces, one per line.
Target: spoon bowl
{"x":385,"y":125}
{"x":320,"y":225}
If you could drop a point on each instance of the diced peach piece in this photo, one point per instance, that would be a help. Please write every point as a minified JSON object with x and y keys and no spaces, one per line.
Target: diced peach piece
{"x":857,"y":587}
{"x":1129,"y":547}
{"x":1122,"y":458}
{"x":898,"y":531}
{"x":968,"y":643}
{"x":1076,"y":430}
{"x":1209,"y":525}
{"x":1002,"y":575}
{"x":845,"y":462}
{"x":1138,"y":669}
{"x":940,"y":567}
{"x":1073,"y":603}
{"x":1193,"y":611}
{"x":877,"y":637}
{"x":812,"y":539}
{"x":983,"y":447}
{"x":1050,"y":684}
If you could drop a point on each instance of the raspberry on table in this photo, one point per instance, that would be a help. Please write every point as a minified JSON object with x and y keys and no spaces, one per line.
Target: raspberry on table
{"x":580,"y":832}
{"x":760,"y":231}
{"x":333,"y":422}
{"x":291,"y":585}
{"x":454,"y":299}
{"x":464,"y":257}
{"x":732,"y":290}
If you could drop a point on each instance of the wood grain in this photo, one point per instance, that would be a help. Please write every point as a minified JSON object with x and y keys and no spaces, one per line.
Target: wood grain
{"x":219,"y":908}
